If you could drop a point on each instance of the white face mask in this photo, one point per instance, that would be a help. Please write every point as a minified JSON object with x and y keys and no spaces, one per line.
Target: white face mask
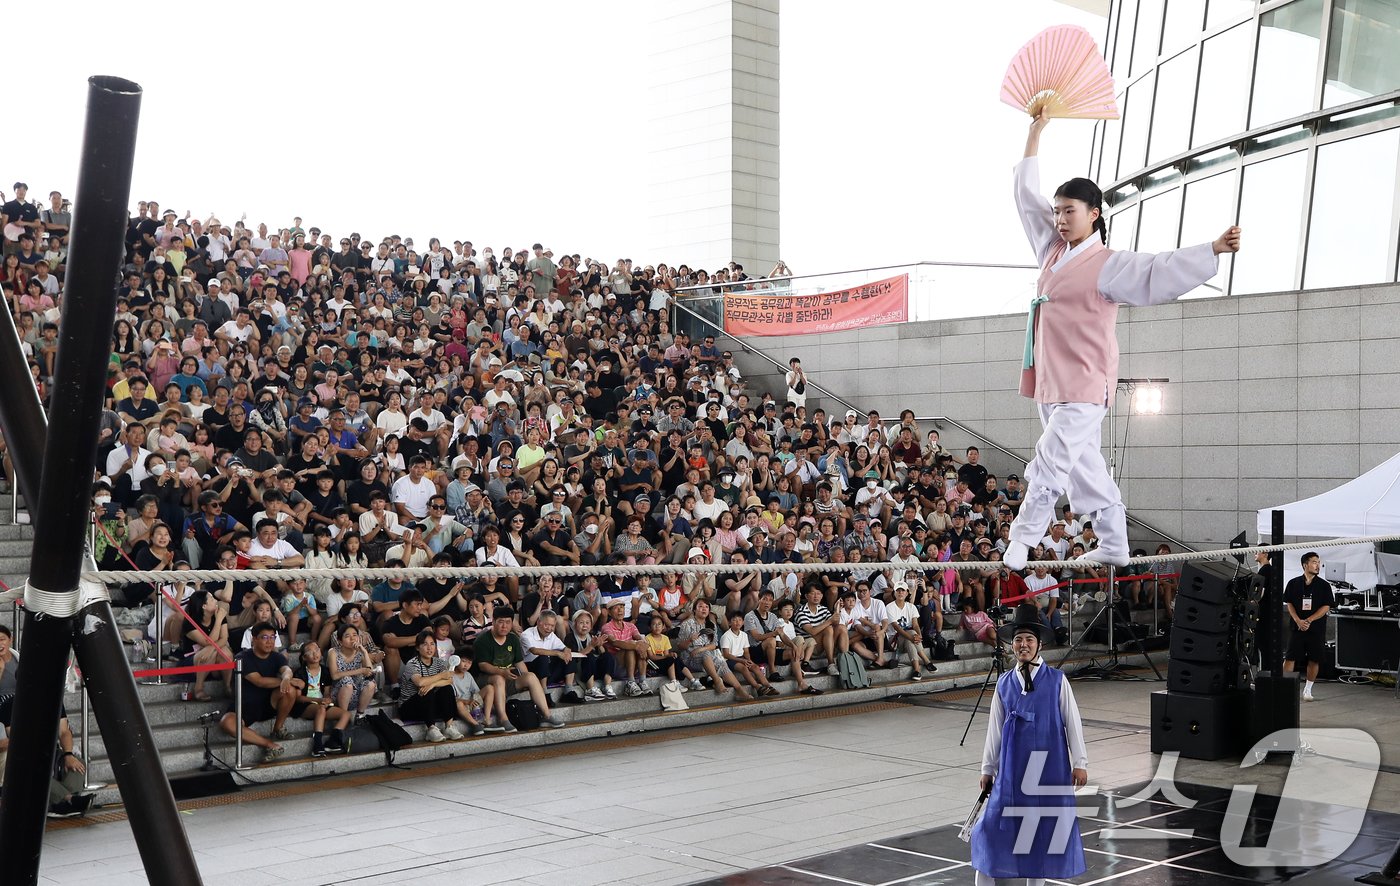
{"x":101,"y":499}
{"x":871,"y":484}
{"x":157,"y":469}
{"x":591,"y":530}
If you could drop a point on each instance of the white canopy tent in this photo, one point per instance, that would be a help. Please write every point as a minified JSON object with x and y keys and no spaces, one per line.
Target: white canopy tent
{"x":1368,"y":505}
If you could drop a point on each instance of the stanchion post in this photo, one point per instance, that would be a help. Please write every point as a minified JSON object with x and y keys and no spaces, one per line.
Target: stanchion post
{"x":1111,"y":588}
{"x":86,"y":737}
{"x":237,"y":713}
{"x":160,"y":641}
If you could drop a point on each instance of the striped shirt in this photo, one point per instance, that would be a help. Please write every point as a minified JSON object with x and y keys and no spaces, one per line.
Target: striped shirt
{"x":416,"y":668}
{"x":807,"y":616}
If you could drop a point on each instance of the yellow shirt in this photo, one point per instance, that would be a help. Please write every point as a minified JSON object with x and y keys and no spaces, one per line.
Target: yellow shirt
{"x":660,"y":644}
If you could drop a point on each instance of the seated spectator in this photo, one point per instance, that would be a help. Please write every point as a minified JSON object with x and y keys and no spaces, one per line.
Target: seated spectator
{"x":734,"y":646}
{"x":977,"y":625}
{"x":499,"y":655}
{"x":400,"y":632}
{"x":425,"y":690}
{"x":546,"y":656}
{"x":593,"y":663}
{"x":817,"y":623}
{"x":268,"y":693}
{"x":627,"y":647}
{"x":353,"y":669}
{"x":206,"y":644}
{"x":300,"y":610}
{"x":661,"y":659}
{"x":698,"y":645}
{"x":904,"y":634}
{"x":472,"y":701}
{"x":313,"y":685}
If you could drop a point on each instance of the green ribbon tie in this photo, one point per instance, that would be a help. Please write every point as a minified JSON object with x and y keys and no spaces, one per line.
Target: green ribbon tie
{"x":1028,"y":359}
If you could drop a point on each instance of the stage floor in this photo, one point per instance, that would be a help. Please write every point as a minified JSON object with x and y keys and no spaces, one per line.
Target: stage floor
{"x":692,"y":805}
{"x":1133,"y":844}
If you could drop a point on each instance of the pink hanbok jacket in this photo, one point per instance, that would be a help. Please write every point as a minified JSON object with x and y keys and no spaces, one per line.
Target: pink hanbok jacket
{"x":1072,"y":348}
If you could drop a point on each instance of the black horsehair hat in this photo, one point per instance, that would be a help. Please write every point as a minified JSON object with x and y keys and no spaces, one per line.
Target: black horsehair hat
{"x":1027,"y":618}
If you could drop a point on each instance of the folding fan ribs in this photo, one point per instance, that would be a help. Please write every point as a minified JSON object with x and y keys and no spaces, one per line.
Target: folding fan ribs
{"x":1061,"y":69}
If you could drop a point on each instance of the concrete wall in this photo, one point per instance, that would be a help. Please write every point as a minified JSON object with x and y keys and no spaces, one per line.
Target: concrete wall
{"x":713,"y":132}
{"x":1272,"y":397}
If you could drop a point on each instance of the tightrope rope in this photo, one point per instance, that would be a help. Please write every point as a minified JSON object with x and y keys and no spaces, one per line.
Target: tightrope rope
{"x":446,"y":572}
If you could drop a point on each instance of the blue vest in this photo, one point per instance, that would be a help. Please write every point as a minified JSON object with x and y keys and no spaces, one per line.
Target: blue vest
{"x":1033,"y":723}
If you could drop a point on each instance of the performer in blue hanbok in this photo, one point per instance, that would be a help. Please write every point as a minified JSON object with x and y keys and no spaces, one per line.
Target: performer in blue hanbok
{"x":1033,"y":759}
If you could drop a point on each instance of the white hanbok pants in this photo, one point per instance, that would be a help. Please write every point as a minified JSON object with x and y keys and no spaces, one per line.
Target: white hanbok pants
{"x":984,"y":880}
{"x":1069,"y":460}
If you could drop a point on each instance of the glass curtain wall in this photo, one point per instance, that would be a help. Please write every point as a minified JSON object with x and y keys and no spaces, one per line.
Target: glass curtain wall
{"x":1282,"y":116}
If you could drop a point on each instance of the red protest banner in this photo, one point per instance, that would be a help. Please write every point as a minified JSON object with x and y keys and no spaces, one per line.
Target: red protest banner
{"x":873,"y":304}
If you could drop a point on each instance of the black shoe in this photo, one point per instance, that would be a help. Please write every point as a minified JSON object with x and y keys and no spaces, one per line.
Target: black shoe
{"x":70,"y":808}
{"x":809,"y":668}
{"x":336,"y":745}
{"x":318,"y":744}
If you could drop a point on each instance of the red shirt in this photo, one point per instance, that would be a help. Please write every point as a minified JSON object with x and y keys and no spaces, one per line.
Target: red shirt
{"x":620,"y":632}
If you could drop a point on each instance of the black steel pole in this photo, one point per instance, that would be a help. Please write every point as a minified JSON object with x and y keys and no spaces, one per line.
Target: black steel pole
{"x":155,"y":819}
{"x":117,"y":708}
{"x":52,"y":595}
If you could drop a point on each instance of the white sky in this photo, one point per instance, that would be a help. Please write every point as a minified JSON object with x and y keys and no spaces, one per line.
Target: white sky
{"x":509,"y":123}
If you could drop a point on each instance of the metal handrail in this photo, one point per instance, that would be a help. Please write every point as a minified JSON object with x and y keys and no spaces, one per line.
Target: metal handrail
{"x":915,"y":264}
{"x":1025,"y":459}
{"x":748,"y":349}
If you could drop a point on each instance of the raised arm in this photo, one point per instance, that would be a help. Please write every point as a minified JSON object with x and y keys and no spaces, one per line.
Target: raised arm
{"x":1037,"y":217}
{"x":1142,"y":278}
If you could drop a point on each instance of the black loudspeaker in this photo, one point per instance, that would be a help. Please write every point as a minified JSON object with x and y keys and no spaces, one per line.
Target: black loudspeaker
{"x":1275,"y":706}
{"x":1197,"y":615}
{"x":1209,"y":581}
{"x":1197,"y":646}
{"x":1201,"y":678}
{"x":202,"y":784}
{"x":1201,"y":727}
{"x":1367,"y":643}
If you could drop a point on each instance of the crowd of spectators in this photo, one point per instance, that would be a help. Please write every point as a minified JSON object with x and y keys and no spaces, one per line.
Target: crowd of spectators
{"x":280,"y":398}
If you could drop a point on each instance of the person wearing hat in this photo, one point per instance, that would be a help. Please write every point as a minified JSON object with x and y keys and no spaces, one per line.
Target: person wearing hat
{"x":1034,"y":724}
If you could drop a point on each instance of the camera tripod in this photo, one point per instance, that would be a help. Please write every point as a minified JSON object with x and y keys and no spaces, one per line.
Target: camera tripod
{"x":1115,"y":620}
{"x":211,"y":762}
{"x":997,"y":667}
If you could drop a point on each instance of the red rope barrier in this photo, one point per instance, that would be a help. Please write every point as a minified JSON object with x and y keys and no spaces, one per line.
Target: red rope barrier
{"x":174,"y":604}
{"x":1005,"y":601}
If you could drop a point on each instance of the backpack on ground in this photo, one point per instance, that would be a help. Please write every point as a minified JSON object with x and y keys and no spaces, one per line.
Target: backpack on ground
{"x":850,"y":670}
{"x":523,"y":714}
{"x":671,"y":697}
{"x":941,"y":648}
{"x":389,"y":735}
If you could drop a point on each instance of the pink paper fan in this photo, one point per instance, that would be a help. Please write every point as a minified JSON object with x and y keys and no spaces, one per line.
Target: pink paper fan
{"x":1061,"y":69}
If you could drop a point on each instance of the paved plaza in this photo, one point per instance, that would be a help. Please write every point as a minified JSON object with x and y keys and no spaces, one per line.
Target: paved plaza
{"x":669,"y":808}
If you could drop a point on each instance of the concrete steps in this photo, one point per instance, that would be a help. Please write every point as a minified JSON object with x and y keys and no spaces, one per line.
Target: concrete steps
{"x":180,"y":739}
{"x":16,"y":541}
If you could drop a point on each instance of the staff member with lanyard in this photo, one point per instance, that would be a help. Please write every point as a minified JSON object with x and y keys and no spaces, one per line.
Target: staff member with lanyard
{"x":1308,"y":599}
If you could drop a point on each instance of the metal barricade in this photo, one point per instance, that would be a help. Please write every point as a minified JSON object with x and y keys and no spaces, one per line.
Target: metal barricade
{"x":85,"y":740}
{"x":238,"y":715}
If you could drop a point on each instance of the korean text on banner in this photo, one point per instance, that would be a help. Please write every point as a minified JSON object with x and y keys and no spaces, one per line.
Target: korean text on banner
{"x":873,"y":304}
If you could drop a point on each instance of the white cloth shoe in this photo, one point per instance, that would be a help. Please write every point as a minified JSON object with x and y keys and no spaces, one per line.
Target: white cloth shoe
{"x":1016,"y":556}
{"x":435,"y":734}
{"x":1111,"y":526}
